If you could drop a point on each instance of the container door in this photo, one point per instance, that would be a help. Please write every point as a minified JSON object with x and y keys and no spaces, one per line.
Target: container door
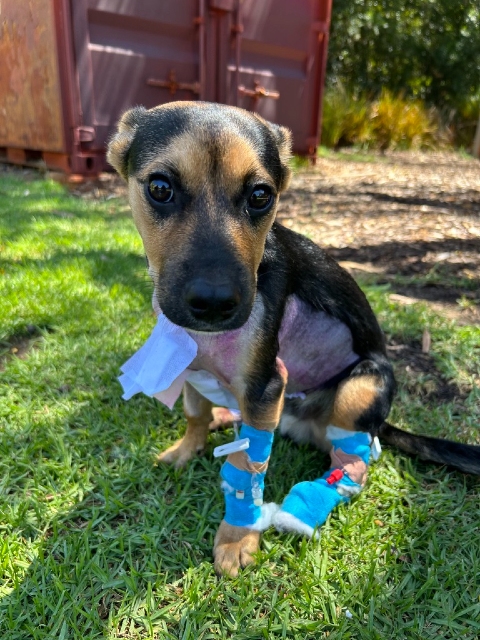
{"x":129,"y":53}
{"x":277,"y":64}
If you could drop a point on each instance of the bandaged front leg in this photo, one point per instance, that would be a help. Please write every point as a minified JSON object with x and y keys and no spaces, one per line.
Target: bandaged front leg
{"x":308,"y":504}
{"x":243,"y":474}
{"x":243,"y":480}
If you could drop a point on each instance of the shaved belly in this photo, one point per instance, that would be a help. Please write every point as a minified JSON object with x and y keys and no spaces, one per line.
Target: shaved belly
{"x":314,"y":346}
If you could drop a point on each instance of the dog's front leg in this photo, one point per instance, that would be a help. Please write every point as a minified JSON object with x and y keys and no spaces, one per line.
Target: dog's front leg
{"x":243,"y":473}
{"x":198,"y":411}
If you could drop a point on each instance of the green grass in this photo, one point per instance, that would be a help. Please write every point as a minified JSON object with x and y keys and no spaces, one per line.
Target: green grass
{"x":96,"y":541}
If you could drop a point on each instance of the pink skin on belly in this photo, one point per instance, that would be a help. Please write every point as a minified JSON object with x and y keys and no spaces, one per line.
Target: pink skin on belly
{"x":218,"y":353}
{"x":313,"y":346}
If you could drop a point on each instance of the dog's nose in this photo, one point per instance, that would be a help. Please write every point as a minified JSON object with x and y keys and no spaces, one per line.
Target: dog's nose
{"x":211,"y":302}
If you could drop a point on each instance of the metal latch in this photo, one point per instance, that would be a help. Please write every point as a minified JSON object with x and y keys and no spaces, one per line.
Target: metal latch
{"x":258,"y":92}
{"x":84,"y":134}
{"x":173,"y":86}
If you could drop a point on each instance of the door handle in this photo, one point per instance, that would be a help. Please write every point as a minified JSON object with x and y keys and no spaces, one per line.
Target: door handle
{"x":173,"y":86}
{"x":258,"y":92}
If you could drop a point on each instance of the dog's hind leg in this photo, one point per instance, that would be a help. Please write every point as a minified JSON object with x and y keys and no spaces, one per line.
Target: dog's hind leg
{"x":198,"y":411}
{"x":361,"y":403}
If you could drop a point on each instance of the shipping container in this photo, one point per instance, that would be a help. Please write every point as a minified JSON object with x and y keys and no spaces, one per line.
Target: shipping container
{"x":70,"y":68}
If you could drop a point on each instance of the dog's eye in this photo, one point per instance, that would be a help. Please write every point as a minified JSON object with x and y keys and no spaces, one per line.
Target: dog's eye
{"x":159,"y":189}
{"x":260,"y":200}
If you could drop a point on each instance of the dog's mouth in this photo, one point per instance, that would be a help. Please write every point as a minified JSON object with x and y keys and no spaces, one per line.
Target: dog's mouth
{"x":198,"y":327}
{"x":209,"y":321}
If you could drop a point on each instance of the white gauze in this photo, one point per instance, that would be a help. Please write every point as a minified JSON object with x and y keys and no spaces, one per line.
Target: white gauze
{"x":158,"y":364}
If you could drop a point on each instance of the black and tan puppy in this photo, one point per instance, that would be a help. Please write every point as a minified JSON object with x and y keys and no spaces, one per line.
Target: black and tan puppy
{"x":204,"y":182}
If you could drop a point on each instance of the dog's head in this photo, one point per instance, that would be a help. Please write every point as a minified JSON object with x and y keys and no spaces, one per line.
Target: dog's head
{"x":204,"y":181}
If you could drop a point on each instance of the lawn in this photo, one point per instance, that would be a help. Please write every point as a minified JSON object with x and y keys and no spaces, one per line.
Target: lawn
{"x":98,"y":541}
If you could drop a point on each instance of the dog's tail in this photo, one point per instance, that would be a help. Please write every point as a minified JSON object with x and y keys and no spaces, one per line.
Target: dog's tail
{"x":464,"y":457}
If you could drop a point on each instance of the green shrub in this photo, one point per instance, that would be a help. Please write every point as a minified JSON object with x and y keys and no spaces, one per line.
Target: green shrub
{"x":345,"y":118}
{"x":428,"y":49}
{"x":401,"y":124}
{"x":390,"y":122}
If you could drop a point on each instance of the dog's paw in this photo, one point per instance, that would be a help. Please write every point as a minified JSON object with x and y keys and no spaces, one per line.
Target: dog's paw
{"x":234,"y":548}
{"x":181,"y":452}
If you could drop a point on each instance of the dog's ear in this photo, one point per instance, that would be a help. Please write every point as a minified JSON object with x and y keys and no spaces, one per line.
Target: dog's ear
{"x":119,"y":145}
{"x":283,"y":138}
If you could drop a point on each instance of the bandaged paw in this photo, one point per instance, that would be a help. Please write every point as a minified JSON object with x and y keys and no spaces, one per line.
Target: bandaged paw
{"x":308,"y":504}
{"x":243,"y":479}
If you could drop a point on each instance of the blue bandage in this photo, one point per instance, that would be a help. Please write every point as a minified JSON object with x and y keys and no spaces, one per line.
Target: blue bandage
{"x":357,"y":444}
{"x":244,"y":490}
{"x":308,"y":504}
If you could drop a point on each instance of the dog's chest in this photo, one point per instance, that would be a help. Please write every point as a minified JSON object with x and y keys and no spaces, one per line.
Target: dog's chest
{"x":313,"y":345}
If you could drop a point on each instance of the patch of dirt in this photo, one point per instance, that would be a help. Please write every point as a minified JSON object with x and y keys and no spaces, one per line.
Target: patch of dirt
{"x":105,"y":187}
{"x":421,"y":376}
{"x":18,"y":346}
{"x":414,"y":215}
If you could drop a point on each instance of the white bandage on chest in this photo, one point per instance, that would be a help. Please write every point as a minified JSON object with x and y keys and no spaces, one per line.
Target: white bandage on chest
{"x":159,"y":368}
{"x":161,"y":363}
{"x":208,"y":386}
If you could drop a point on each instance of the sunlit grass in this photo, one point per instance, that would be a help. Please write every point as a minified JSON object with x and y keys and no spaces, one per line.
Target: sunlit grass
{"x":96,"y":541}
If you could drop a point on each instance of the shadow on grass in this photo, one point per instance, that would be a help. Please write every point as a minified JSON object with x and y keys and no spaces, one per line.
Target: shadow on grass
{"x":419,"y":259}
{"x":27,"y":202}
{"x":106,"y":267}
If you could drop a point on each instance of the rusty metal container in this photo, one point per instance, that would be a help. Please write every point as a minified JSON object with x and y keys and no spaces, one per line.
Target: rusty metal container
{"x":69,"y":68}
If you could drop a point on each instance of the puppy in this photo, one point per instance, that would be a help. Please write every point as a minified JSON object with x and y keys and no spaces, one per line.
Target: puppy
{"x":278,"y":323}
